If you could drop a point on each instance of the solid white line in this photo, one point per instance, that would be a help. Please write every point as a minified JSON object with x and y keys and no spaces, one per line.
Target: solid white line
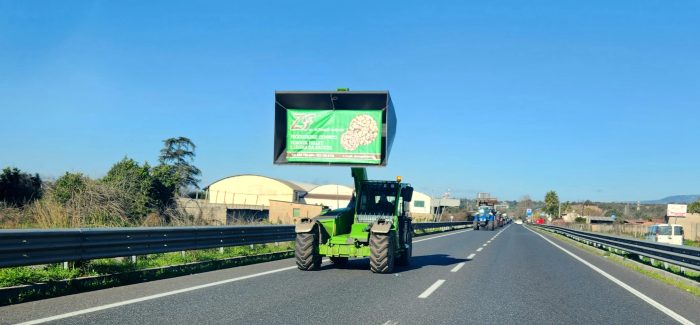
{"x":479,"y":249}
{"x":450,"y":234}
{"x":471,"y":256}
{"x":431,"y":289}
{"x":633,"y":291}
{"x":457,"y":267}
{"x":151,"y":297}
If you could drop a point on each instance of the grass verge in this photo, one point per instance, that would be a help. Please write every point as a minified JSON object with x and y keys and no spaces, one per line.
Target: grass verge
{"x":632,"y":264}
{"x":22,"y":284}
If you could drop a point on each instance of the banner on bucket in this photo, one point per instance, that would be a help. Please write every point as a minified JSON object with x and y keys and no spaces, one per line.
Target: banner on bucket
{"x":334,"y":136}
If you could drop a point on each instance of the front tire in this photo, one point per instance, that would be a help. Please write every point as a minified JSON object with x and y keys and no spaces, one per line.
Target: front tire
{"x":381,"y":247}
{"x":306,"y":251}
{"x":405,"y":258}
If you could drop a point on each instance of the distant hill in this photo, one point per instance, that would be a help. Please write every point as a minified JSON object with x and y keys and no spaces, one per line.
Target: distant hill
{"x":675,"y":199}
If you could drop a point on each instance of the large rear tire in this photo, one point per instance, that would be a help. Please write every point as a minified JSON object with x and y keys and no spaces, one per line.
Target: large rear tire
{"x":405,"y":258}
{"x":381,"y":248}
{"x":306,"y":251}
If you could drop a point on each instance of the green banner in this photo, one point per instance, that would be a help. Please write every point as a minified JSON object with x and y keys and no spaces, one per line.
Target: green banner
{"x":334,"y":136}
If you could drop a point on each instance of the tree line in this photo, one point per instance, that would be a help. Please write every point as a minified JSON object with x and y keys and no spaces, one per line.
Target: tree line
{"x":129,"y":194}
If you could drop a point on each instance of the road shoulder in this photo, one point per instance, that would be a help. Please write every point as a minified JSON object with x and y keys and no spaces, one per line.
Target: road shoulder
{"x":680,"y":301}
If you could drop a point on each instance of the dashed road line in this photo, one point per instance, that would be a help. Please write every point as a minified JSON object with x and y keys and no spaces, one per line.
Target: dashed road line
{"x":479,"y":249}
{"x":471,"y":256}
{"x":431,"y":289}
{"x":457,"y":267}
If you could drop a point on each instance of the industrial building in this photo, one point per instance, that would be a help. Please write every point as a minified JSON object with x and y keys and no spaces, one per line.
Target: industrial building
{"x":256,"y":197}
{"x":255,"y":191}
{"x":420,"y":206}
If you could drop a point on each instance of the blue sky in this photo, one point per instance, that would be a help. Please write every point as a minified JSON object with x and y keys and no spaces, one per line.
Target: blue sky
{"x":597,"y":100}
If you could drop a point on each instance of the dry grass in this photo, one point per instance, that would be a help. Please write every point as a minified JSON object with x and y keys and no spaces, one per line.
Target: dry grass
{"x":95,"y":206}
{"x":12,"y":218}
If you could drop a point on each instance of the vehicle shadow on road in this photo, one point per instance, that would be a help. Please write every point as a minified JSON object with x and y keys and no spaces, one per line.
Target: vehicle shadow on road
{"x":416,"y":263}
{"x":429,"y":260}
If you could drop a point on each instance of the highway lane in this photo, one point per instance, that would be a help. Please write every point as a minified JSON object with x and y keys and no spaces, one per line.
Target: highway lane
{"x":514,"y":277}
{"x":289,"y":286}
{"x":521,"y":278}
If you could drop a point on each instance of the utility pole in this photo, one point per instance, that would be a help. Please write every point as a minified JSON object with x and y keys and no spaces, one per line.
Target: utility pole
{"x":559,"y":214}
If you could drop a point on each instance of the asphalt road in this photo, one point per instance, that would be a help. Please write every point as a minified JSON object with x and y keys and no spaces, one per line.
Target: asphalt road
{"x":455,"y":278}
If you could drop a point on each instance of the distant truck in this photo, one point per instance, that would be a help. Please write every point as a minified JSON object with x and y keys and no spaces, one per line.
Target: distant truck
{"x":665,"y":234}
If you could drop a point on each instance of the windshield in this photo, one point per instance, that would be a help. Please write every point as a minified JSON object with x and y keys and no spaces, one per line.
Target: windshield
{"x":377,"y":199}
{"x":664,"y":230}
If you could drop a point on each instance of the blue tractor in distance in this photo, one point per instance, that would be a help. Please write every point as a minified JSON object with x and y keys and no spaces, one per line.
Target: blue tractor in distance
{"x":487,"y":217}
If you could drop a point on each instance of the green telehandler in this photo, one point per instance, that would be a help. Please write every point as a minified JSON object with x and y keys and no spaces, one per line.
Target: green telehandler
{"x":346,"y":128}
{"x":375,"y":224}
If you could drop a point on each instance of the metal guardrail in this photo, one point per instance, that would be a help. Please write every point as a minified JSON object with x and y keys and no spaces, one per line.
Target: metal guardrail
{"x":684,"y":256}
{"x":42,"y":246}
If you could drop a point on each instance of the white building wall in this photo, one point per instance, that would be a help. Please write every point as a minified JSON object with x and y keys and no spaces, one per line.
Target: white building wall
{"x":420,"y":203}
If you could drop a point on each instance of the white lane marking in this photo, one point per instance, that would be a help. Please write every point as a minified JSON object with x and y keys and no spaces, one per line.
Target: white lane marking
{"x":625,"y":286}
{"x":457,"y":267}
{"x":471,"y":256}
{"x":450,"y":234}
{"x":391,"y":322}
{"x":151,"y":297}
{"x":479,"y":249}
{"x":174,"y":292}
{"x":485,"y":245}
{"x":488,"y":241}
{"x":431,"y":289}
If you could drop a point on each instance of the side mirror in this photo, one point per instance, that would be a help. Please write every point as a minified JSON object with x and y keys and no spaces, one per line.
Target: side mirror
{"x":407,"y":193}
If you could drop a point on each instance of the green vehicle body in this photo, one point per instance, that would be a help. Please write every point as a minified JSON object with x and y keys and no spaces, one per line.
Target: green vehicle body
{"x":377,"y":215}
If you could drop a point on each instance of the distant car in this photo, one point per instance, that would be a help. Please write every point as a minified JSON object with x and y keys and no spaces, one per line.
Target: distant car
{"x":518,"y":221}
